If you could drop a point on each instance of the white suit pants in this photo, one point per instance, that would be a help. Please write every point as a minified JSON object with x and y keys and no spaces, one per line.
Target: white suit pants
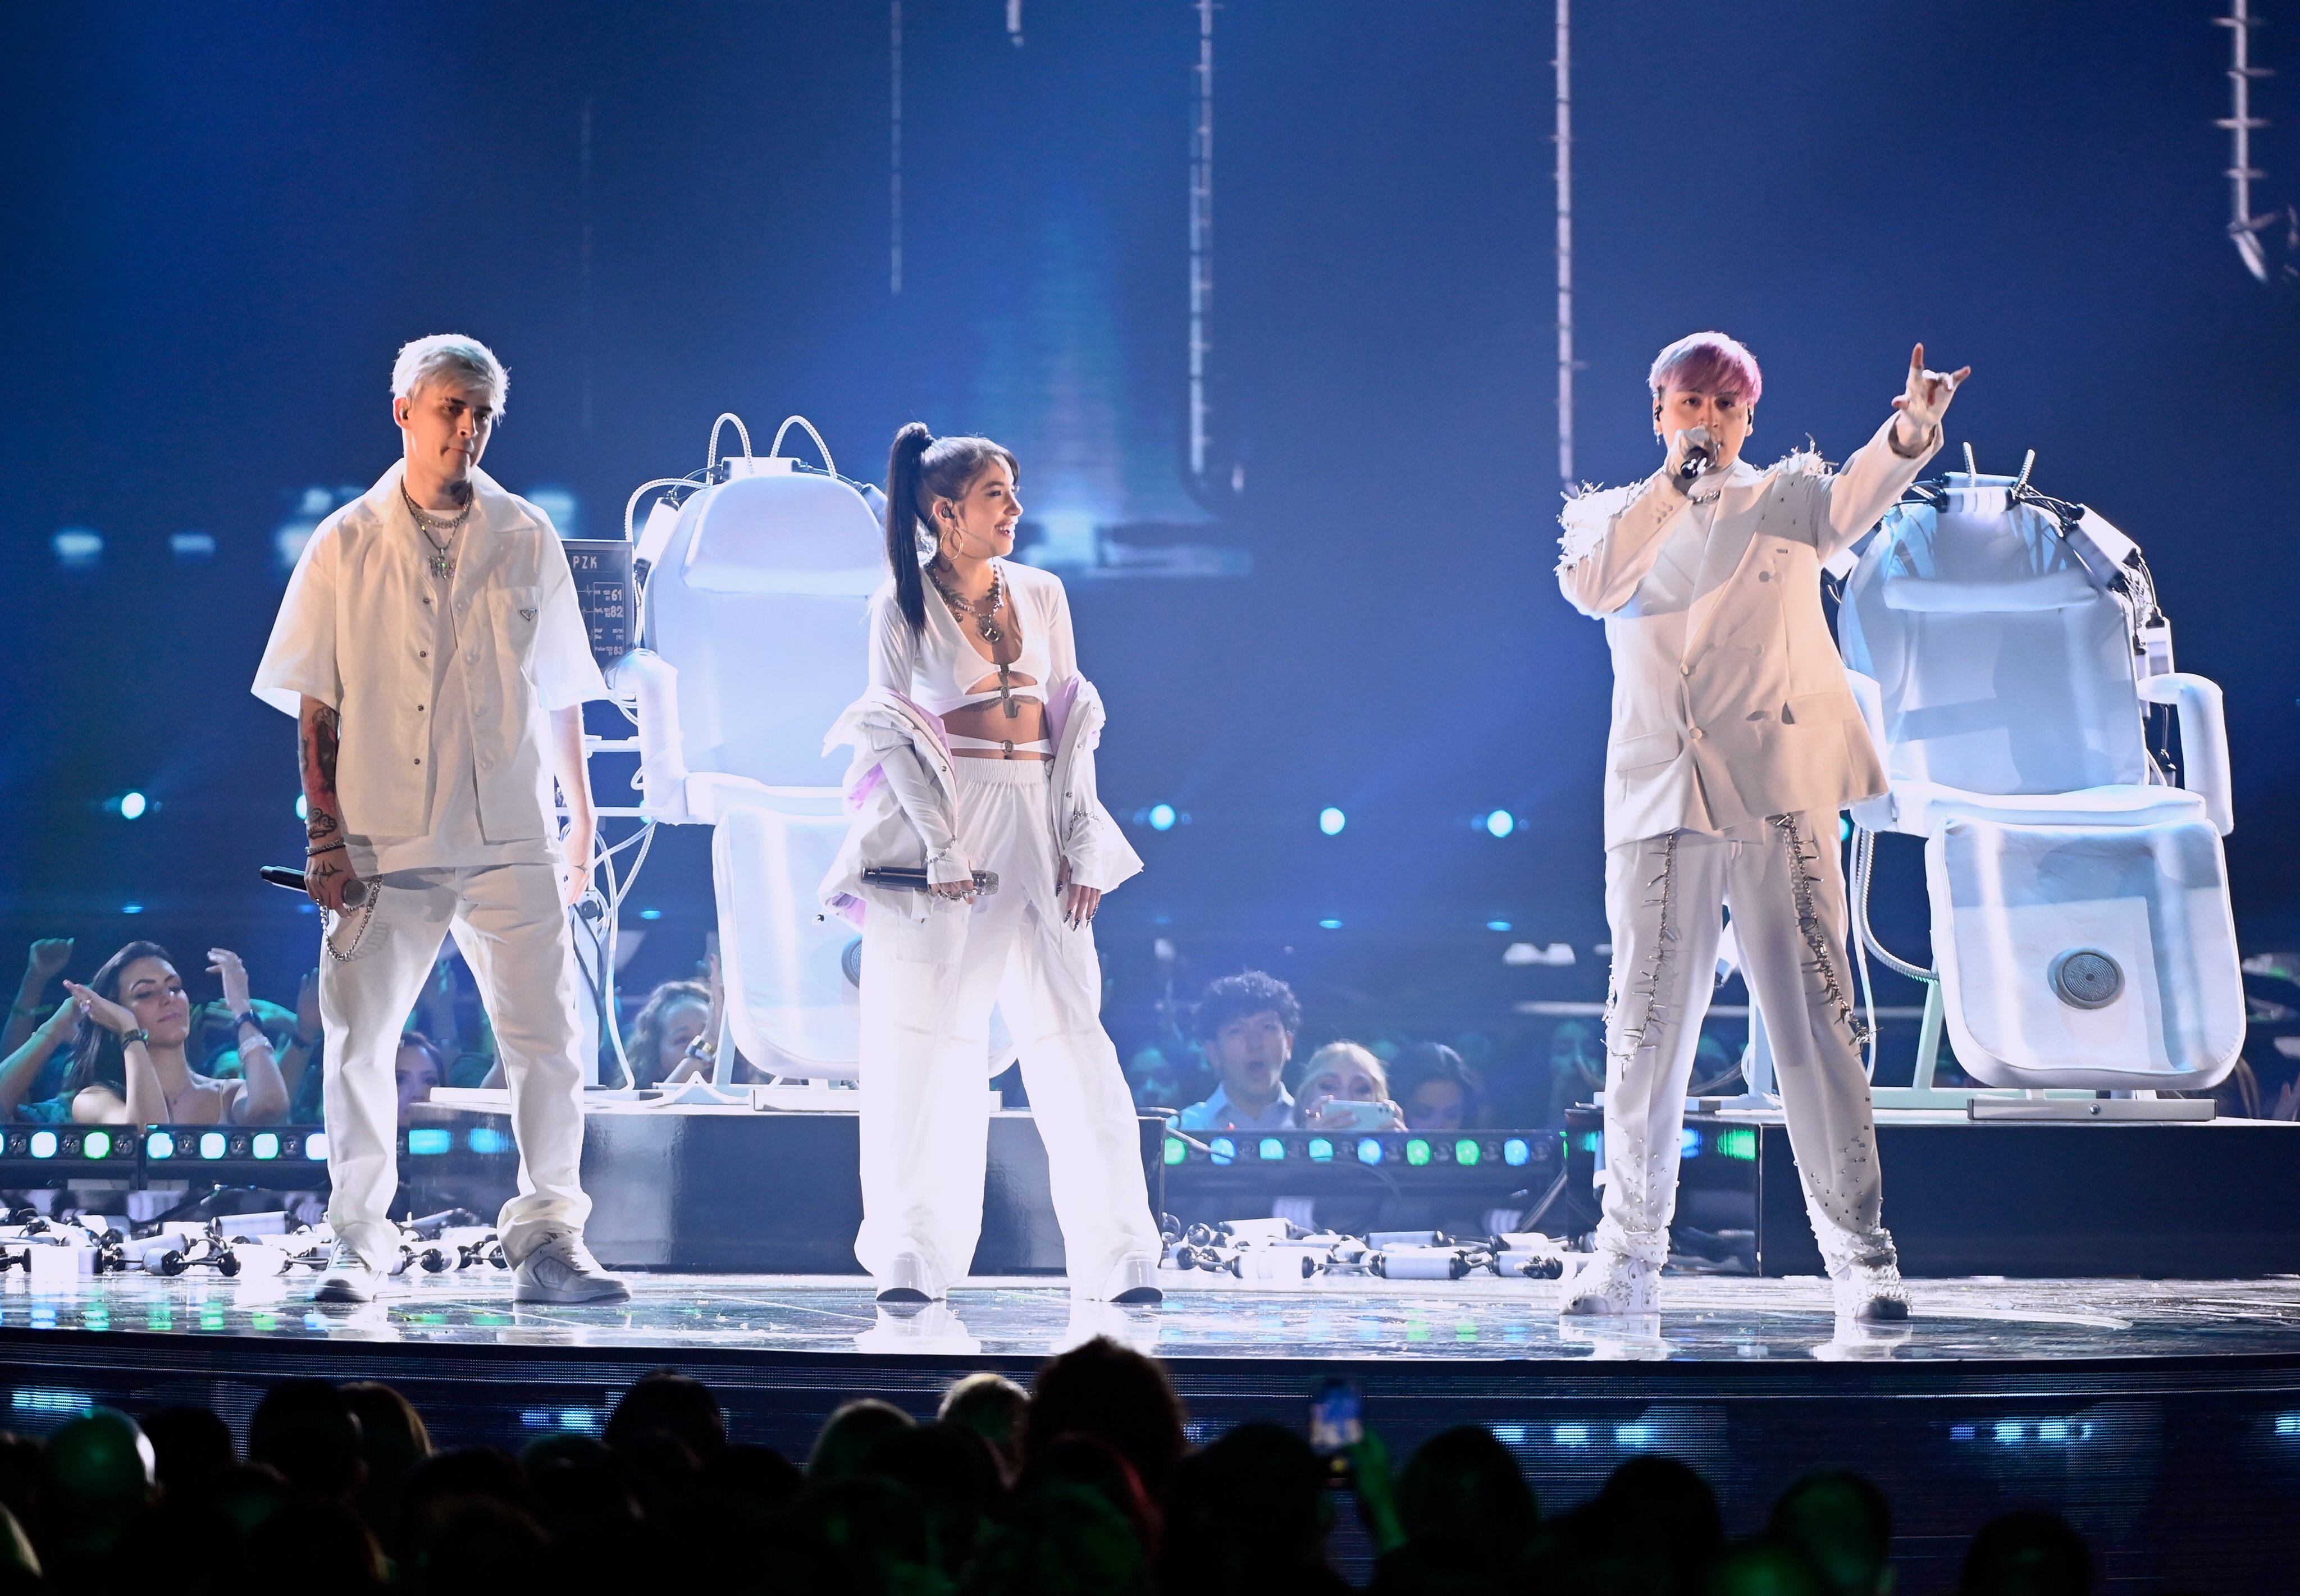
{"x":511,"y":927}
{"x":926,"y":1000}
{"x":1782,"y":881}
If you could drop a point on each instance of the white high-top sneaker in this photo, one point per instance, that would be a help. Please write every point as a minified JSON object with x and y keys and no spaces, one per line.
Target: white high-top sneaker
{"x":1869,"y":1294}
{"x":350,"y":1279}
{"x":560,"y":1269}
{"x":1612,"y":1285}
{"x":910,"y":1281}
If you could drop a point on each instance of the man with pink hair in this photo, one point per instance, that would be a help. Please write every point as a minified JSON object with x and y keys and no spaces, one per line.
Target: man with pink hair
{"x":1736,"y":740}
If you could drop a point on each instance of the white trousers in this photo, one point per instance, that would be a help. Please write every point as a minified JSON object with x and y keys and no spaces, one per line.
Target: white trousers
{"x":926,"y":1001}
{"x":511,"y":927}
{"x":1781,"y":879}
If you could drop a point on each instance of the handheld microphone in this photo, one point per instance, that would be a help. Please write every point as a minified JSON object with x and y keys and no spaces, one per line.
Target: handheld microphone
{"x":292,"y":878}
{"x":1696,"y":455}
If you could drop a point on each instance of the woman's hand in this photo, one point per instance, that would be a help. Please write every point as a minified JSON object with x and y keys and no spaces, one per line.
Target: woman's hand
{"x":224,"y":962}
{"x":47,"y":959}
{"x":113,"y":1017}
{"x":1079,"y":902}
{"x":67,"y":1015}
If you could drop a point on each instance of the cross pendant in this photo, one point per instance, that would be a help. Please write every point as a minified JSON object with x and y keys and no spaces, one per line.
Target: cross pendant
{"x":441,"y":565}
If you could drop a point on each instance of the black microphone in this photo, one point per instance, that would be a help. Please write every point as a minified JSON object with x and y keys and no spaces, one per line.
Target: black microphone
{"x":292,"y":878}
{"x":1696,"y":455}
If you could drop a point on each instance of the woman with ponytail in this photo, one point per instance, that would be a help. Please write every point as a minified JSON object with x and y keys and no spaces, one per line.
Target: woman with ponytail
{"x":974,"y":761}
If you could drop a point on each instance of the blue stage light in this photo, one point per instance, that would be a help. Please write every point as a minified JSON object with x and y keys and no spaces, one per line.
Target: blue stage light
{"x":315,"y":1147}
{"x":1516,"y":1152}
{"x":212,"y":1145}
{"x":1331,"y":820}
{"x":1223,"y":1149}
{"x":430,"y":1141}
{"x":303,"y":809}
{"x":650,"y":914}
{"x":192,"y":545}
{"x":487,"y":1138}
{"x":1321,"y":1151}
{"x":1688,"y":1143}
{"x":1330,"y":924}
{"x":132,"y":908}
{"x":1272,"y":1149}
{"x":1498,"y":926}
{"x":1162,"y":816}
{"x":1369,"y":1152}
{"x":266,"y":1145}
{"x":43,"y":1144}
{"x":1500,"y":823}
{"x":159,"y":1145}
{"x":131,"y":805}
{"x":77,"y":547}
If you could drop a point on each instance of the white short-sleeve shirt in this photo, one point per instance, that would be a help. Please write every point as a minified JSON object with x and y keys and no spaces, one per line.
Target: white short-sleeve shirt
{"x":444,"y":684}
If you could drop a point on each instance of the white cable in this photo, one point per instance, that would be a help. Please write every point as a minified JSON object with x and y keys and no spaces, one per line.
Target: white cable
{"x":1865,"y":858}
{"x":742,"y":431}
{"x":821,"y":448}
{"x":631,"y":507}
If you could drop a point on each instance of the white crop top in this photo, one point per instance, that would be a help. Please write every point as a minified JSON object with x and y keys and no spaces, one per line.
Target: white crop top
{"x":940,"y":671}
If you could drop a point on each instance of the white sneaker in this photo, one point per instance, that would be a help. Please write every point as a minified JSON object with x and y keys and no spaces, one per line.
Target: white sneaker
{"x":1613,"y":1286}
{"x":910,"y":1281}
{"x":350,"y":1279}
{"x":1133,"y":1284}
{"x":560,"y":1269}
{"x":1870,"y":1294}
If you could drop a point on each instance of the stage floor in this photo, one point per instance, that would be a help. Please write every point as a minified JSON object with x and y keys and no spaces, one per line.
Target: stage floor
{"x":1207,"y":1316}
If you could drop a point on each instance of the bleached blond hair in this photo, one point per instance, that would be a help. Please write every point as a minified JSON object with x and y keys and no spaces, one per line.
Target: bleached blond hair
{"x":450,"y":355}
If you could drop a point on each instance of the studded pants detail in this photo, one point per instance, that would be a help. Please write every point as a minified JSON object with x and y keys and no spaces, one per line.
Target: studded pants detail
{"x":1664,"y":898}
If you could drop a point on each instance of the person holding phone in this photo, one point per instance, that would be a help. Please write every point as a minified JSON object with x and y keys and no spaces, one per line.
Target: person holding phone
{"x":974,"y":752}
{"x":1736,"y":740}
{"x":1346,"y":1088}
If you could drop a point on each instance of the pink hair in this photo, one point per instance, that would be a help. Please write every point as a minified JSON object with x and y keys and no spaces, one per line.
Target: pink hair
{"x":1708,"y":362}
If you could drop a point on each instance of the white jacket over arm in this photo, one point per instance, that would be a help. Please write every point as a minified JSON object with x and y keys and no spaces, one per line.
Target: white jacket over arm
{"x":1729,"y":699}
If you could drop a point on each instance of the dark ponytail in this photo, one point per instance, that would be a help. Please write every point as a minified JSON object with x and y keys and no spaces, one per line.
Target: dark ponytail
{"x":921,"y":468}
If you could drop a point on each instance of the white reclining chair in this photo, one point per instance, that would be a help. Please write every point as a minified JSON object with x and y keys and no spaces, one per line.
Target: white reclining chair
{"x":2006,"y":649}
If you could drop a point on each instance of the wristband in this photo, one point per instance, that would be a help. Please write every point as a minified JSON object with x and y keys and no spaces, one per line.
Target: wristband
{"x":328,"y":848}
{"x":245,"y":1017}
{"x":700,"y":1049}
{"x":138,"y":1034}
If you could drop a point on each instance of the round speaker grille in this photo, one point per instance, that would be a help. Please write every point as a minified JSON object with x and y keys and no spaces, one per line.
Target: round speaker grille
{"x":850,"y":963}
{"x":2086,"y":978}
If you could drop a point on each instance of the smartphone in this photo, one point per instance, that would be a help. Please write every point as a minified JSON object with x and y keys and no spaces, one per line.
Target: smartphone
{"x":1336,"y":1422}
{"x":1344,"y":1114}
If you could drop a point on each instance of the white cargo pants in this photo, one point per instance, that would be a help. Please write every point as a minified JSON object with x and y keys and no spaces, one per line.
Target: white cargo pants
{"x":1782,"y":881}
{"x":926,"y":1000}
{"x":511,"y":927}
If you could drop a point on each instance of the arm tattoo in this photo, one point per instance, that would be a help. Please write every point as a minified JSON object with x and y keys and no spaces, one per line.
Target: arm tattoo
{"x":321,"y":824}
{"x":325,"y":726}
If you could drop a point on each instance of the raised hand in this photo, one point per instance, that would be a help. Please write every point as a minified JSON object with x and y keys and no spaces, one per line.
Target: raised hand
{"x":224,"y":962}
{"x":1926,"y":399}
{"x":48,"y":958}
{"x":116,"y":1018}
{"x":307,"y":1007}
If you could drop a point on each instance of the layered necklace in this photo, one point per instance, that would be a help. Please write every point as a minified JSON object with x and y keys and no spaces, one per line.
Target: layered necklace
{"x":438,"y":531}
{"x":984,"y":613}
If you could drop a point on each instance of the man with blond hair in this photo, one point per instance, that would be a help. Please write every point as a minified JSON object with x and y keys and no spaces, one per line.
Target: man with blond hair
{"x":432,"y":651}
{"x":1736,"y":740}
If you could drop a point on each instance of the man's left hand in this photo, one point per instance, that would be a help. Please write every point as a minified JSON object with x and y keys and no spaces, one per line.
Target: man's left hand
{"x":1926,"y":398}
{"x":575,"y":867}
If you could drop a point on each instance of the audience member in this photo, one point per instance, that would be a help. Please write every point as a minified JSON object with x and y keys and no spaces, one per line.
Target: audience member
{"x":1163,"y":1076}
{"x":1669,"y":1508}
{"x":45,"y":961}
{"x":1078,"y":1462}
{"x":1844,"y":1527}
{"x":949,"y":1469}
{"x":997,"y":1409}
{"x":676,"y":1017}
{"x":393,"y":1441}
{"x":1248,"y":1516}
{"x":1466,"y":1512}
{"x":308,"y":1430}
{"x":1064,"y":1540}
{"x":1437,"y":1091}
{"x":667,"y":1403}
{"x":2029,"y":1553}
{"x":130,"y":1064}
{"x":192,"y":1451}
{"x":420,"y":1066}
{"x":849,"y":1437}
{"x":1247,"y":1023}
{"x":31,"y":1081}
{"x":1764,"y":1567}
{"x":1116,"y":1395}
{"x":1345,"y":1073}
{"x":98,"y":1477}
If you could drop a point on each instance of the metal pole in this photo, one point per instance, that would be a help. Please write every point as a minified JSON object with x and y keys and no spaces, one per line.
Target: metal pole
{"x":2240,"y":122}
{"x":1202,"y":236}
{"x":894,"y":155}
{"x":1564,"y":139}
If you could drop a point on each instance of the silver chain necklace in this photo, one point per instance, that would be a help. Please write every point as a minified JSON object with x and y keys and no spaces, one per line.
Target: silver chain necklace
{"x":443,"y":557}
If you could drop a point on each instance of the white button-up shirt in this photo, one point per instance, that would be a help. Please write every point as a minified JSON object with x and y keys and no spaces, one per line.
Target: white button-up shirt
{"x":444,"y":686}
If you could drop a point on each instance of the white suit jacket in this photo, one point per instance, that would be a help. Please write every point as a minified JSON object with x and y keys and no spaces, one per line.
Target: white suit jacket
{"x":354,"y":632}
{"x":1729,"y":699}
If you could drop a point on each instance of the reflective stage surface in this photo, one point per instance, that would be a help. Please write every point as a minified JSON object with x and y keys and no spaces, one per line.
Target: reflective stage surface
{"x":2164,"y":1417}
{"x":1207,"y":1316}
